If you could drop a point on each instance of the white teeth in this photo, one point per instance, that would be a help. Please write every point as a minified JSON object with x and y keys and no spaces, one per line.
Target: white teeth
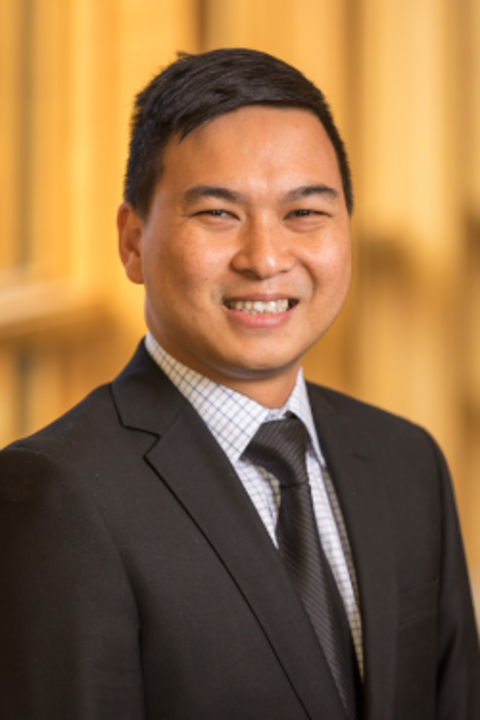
{"x":257,"y":307}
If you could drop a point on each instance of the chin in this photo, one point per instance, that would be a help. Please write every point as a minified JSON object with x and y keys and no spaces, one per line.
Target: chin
{"x":263,"y":368}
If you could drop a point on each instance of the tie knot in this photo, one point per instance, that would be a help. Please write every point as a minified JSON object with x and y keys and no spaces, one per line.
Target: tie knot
{"x":279,"y":446}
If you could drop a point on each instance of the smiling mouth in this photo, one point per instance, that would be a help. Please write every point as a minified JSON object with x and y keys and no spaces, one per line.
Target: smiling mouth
{"x":258,"y":307}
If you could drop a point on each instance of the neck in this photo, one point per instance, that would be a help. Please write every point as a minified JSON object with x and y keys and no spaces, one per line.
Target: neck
{"x":270,"y":388}
{"x":271,"y":392}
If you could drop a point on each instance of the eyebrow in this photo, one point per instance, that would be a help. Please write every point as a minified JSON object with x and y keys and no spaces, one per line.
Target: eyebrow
{"x":307,"y":190}
{"x":193,"y":194}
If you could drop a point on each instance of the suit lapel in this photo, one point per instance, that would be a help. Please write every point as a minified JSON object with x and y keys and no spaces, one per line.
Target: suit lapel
{"x":365,"y":510}
{"x":189,"y":460}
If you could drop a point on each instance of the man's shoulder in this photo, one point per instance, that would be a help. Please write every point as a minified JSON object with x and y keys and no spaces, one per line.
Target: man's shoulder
{"x":94,"y":419}
{"x":114,"y":423}
{"x":374,"y":424}
{"x":86,"y":449}
{"x":403,"y":456}
{"x":91,"y":417}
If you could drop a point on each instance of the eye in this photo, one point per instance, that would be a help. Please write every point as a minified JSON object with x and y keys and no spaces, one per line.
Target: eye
{"x":214,"y":213}
{"x":304,"y":213}
{"x":306,"y":220}
{"x":215,"y":219}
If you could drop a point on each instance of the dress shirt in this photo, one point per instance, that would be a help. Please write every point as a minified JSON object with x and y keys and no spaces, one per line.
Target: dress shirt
{"x":233,"y":419}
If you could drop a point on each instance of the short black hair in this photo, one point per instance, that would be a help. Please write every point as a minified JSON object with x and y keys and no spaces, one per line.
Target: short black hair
{"x":197,"y":88}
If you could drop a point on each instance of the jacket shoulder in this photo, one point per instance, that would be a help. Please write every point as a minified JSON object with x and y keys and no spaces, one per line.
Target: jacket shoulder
{"x":366,"y":419}
{"x":89,"y":416}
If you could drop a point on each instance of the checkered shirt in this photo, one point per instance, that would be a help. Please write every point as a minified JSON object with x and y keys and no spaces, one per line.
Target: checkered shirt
{"x":233,"y":419}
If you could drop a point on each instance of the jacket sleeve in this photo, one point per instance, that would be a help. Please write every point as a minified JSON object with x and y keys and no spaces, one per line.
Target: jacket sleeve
{"x":458,"y":661}
{"x":69,"y":639}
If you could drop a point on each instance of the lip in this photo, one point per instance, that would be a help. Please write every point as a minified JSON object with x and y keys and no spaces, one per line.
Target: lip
{"x":260,"y":297}
{"x":260,"y":322}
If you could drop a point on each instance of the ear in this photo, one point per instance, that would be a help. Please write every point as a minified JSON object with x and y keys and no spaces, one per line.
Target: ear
{"x":130,"y":233}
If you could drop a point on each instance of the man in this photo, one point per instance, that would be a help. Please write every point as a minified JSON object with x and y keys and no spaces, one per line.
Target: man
{"x":152,"y":558}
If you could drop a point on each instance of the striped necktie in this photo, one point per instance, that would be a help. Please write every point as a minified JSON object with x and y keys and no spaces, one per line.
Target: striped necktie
{"x":280,"y":447}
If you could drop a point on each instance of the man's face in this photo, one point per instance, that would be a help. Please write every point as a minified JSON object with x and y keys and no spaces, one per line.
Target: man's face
{"x":246,"y":253}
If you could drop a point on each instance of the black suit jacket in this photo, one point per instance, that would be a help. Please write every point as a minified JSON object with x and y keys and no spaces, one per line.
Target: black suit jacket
{"x":138,"y":582}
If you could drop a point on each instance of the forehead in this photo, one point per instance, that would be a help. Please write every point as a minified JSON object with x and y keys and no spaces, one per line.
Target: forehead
{"x":254,"y":144}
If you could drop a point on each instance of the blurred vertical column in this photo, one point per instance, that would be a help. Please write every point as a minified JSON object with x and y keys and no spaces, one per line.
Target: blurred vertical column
{"x":68,"y":68}
{"x":34,"y":191}
{"x":409,"y":218}
{"x":10,"y":52}
{"x":416,"y":70}
{"x":469,"y":318}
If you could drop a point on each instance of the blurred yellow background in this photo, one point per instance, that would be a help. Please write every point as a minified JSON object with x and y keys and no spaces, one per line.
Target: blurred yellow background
{"x":403,"y":79}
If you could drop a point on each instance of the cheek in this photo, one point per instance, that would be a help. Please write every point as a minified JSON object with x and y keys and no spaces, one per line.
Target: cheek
{"x":181,"y":282}
{"x":199,"y":268}
{"x":343,"y":267}
{"x":332,"y":267}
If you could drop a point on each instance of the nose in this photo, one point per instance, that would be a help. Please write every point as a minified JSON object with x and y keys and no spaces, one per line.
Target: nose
{"x":264,"y":251}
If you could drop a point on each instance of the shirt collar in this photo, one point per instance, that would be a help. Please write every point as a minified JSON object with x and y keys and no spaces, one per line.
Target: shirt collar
{"x":231,"y":417}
